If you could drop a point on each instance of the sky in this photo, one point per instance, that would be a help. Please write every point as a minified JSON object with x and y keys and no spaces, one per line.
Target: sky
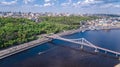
{"x":61,"y":6}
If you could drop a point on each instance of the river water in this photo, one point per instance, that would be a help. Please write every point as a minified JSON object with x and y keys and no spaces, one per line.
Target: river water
{"x":53,"y":54}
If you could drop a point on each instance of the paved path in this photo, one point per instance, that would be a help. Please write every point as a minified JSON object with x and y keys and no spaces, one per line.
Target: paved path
{"x":15,"y":49}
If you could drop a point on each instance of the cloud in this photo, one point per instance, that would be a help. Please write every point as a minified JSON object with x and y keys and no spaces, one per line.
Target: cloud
{"x":9,"y":3}
{"x":110,"y":5}
{"x":37,"y":5}
{"x":71,"y":5}
{"x":117,"y":6}
{"x":64,"y":4}
{"x":27,"y":1}
{"x":110,"y":1}
{"x":67,"y":3}
{"x":47,"y":0}
{"x":98,"y":3}
{"x":48,"y":4}
{"x":77,"y":4}
{"x":92,"y":1}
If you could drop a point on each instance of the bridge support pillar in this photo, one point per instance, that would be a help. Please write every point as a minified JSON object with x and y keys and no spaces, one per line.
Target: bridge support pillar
{"x":116,"y":55}
{"x":81,"y":47}
{"x":105,"y":52}
{"x":96,"y":50}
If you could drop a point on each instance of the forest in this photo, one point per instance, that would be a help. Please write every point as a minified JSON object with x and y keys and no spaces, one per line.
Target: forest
{"x":14,"y":31}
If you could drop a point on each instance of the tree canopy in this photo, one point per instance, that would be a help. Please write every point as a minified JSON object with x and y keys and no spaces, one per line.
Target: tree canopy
{"x":14,"y":31}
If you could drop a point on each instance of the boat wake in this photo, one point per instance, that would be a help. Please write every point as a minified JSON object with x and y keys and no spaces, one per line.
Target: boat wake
{"x":39,"y":53}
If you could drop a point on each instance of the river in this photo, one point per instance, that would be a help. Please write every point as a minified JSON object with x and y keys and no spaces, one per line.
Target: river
{"x":53,"y":55}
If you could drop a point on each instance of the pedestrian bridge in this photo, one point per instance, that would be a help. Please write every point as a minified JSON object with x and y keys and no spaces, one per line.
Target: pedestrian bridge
{"x":83,"y":42}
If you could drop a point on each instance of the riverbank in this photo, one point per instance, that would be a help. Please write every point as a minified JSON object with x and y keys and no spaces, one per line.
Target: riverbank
{"x":19,"y":48}
{"x":103,"y":27}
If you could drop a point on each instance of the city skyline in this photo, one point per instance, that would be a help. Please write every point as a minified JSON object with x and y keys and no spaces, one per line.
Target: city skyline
{"x":58,"y":6}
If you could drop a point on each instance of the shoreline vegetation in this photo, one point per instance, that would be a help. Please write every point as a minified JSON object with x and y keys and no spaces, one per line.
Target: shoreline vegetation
{"x":15,"y":31}
{"x":18,"y":48}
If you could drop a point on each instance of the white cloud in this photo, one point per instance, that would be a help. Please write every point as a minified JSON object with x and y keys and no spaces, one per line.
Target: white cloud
{"x":27,"y":1}
{"x":9,"y":3}
{"x":66,"y":4}
{"x":37,"y":5}
{"x":77,"y":4}
{"x":110,"y":5}
{"x":92,"y":1}
{"x":87,"y":3}
{"x":106,"y":5}
{"x":47,"y":0}
{"x":48,"y":4}
{"x":118,"y":6}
